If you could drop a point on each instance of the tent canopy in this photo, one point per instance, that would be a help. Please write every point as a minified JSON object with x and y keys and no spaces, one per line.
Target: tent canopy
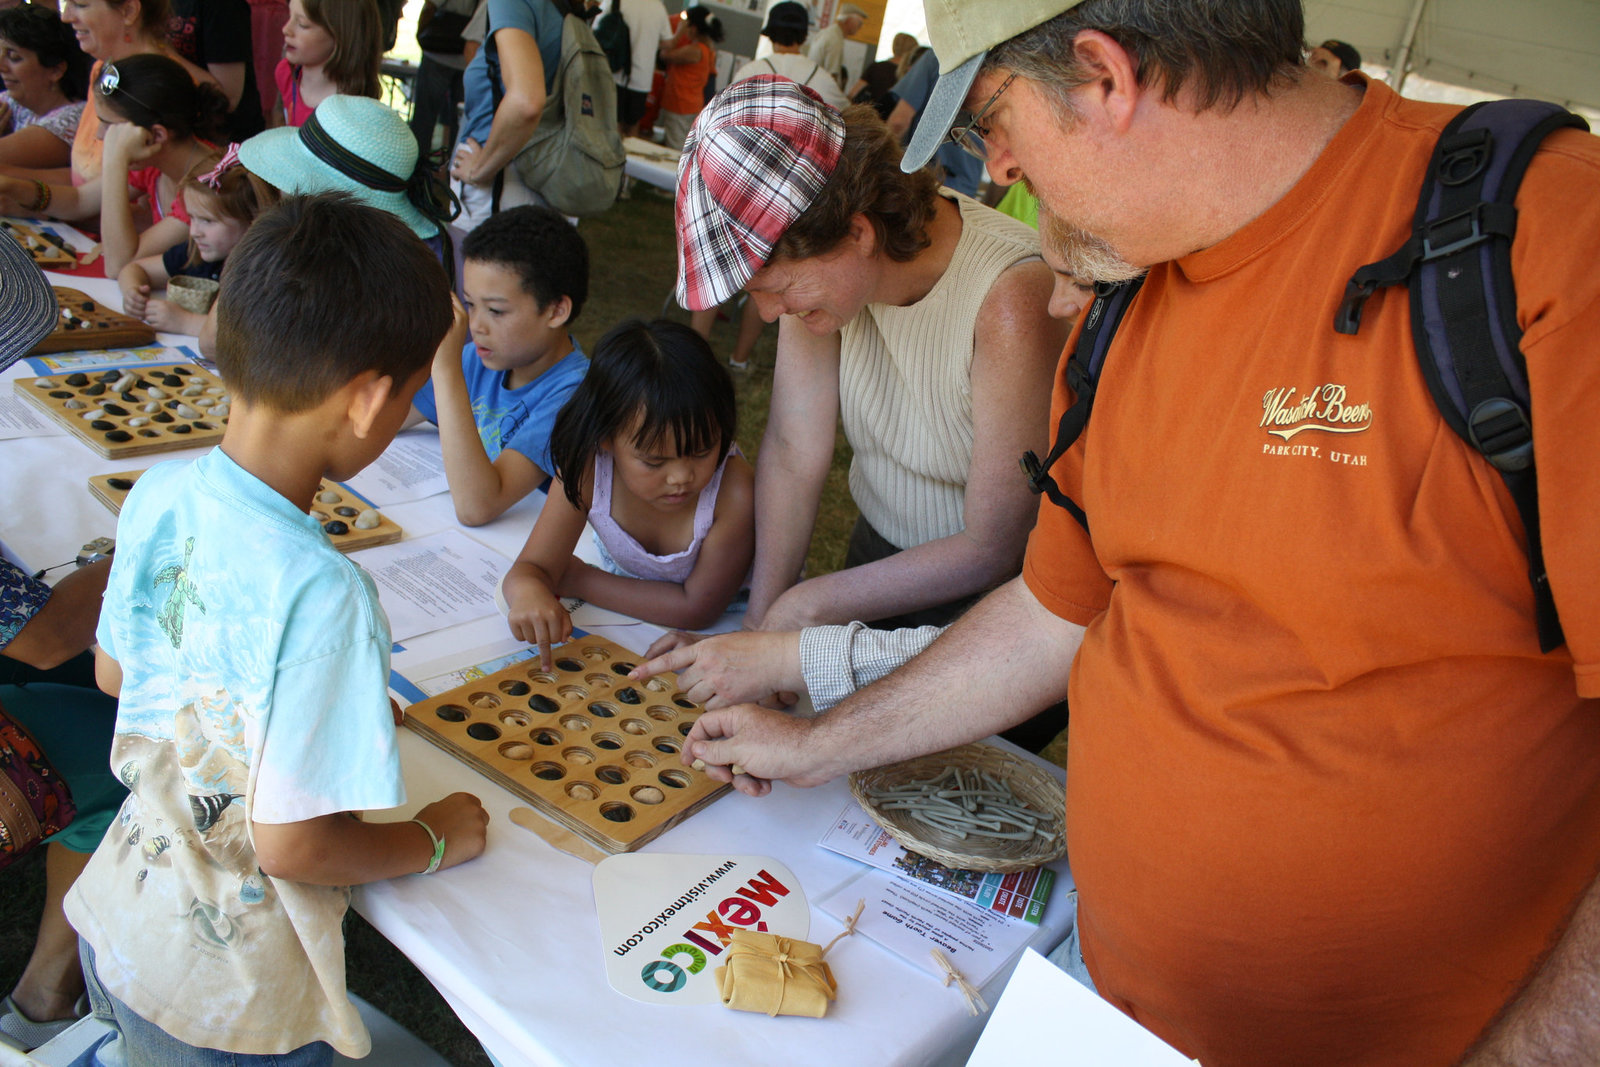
{"x":1548,"y":49}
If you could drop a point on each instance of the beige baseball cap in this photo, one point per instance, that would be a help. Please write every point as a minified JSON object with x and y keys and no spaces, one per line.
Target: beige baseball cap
{"x":961,"y":33}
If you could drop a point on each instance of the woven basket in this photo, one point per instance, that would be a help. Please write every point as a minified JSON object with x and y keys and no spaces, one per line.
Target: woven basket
{"x":1032,"y":785}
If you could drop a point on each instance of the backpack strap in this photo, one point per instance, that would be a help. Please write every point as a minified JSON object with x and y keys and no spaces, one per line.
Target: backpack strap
{"x":1457,"y":266}
{"x":1083,"y":374}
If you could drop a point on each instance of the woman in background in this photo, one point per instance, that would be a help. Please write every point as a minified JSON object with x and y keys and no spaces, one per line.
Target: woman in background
{"x":46,"y":76}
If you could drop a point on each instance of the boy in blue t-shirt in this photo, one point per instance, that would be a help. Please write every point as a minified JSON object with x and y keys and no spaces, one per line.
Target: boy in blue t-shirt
{"x":251,"y":662}
{"x":525,"y":276}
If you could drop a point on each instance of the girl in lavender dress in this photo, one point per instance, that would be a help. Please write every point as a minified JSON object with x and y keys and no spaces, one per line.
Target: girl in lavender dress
{"x":644,"y":452}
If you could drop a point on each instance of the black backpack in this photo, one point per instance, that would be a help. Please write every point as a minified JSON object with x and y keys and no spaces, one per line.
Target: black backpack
{"x":1457,"y":266}
{"x":611,"y":30}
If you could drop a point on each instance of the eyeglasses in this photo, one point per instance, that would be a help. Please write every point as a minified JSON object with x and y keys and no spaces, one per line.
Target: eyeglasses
{"x":110,"y":78}
{"x":968,"y":132}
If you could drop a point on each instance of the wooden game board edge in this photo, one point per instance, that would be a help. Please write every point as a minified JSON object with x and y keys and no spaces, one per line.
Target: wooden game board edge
{"x":553,"y":812}
{"x":387,"y":532}
{"x":28,"y":391}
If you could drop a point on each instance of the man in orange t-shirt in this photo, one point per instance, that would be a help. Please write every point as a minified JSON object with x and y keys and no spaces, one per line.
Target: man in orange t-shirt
{"x":1330,"y":804}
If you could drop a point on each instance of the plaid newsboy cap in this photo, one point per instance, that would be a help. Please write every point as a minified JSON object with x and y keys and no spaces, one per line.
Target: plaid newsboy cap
{"x":755,"y":160}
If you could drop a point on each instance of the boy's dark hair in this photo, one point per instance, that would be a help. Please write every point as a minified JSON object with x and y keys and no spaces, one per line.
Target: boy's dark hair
{"x":320,"y":289}
{"x":40,"y":30}
{"x":664,"y":370}
{"x":541,"y":247}
{"x":152,"y":90}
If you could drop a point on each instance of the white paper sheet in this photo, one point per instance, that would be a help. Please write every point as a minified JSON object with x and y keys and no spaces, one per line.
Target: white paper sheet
{"x":911,"y":919}
{"x":18,"y":418}
{"x":432,"y":582}
{"x":1043,"y":1008}
{"x":411,"y":468}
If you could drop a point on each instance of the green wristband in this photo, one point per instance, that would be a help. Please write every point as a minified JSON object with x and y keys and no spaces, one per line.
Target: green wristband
{"x":438,"y":847}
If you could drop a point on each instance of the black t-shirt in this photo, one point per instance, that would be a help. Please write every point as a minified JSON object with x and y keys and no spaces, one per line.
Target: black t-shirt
{"x":176,"y":262}
{"x":218,"y":31}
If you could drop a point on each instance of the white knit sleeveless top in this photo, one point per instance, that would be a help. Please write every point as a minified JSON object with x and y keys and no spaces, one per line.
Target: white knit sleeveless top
{"x":905,"y":390}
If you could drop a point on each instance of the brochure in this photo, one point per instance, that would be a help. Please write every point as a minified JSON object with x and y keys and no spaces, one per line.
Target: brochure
{"x":1018,"y":896}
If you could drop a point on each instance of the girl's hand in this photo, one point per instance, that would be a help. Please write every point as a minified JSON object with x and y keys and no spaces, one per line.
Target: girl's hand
{"x":136,"y":300}
{"x":464,"y":167}
{"x":5,"y":117}
{"x":539,"y":619}
{"x":129,"y":143}
{"x":162,"y":315}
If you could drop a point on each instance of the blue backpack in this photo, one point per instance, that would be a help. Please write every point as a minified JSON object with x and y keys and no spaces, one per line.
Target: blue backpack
{"x":1457,"y":267}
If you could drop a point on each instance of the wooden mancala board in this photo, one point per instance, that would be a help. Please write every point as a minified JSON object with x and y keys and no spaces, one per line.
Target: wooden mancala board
{"x":48,"y":251}
{"x":337,"y":513}
{"x":87,"y":323}
{"x":584,"y":744}
{"x":122,"y":413}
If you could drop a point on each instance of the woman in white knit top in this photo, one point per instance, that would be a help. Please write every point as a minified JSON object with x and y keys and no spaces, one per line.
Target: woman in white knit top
{"x":915,"y":316}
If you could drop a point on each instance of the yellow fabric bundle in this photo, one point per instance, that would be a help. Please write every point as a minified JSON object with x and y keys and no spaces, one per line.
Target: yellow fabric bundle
{"x":776,"y":975}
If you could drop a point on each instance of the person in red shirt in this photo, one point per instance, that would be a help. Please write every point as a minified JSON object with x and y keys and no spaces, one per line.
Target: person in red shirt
{"x":1330,"y":803}
{"x":691,"y":59}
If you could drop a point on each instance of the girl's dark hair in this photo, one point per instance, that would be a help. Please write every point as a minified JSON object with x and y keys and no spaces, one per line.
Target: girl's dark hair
{"x":152,"y":90}
{"x":662,"y":369}
{"x":705,"y":23}
{"x":357,"y":32}
{"x":35,"y":28}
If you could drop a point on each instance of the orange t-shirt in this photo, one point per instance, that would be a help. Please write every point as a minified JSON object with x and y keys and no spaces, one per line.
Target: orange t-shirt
{"x":1328,"y":801}
{"x":685,"y":90}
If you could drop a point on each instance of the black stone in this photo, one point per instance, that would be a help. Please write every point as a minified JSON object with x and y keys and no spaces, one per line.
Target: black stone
{"x":128,"y":397}
{"x":628,"y":695}
{"x":682,"y":703}
{"x":94,"y":390}
{"x":611,"y":775}
{"x":102,"y":424}
{"x":88,"y":305}
{"x":543,"y":704}
{"x":61,"y":394}
{"x":118,"y":436}
{"x":620,"y":813}
{"x":182,"y":427}
{"x":161,"y":416}
{"x":110,"y":375}
{"x":173,"y":404}
{"x":348,"y":513}
{"x":622,"y":668}
{"x":114,"y":409}
{"x":120,"y":484}
{"x":171,"y":379}
{"x":568,"y":665}
{"x":336,"y":527}
{"x":483,"y":731}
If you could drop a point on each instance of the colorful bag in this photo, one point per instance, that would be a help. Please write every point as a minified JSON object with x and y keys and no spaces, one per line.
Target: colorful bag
{"x":34,"y":800}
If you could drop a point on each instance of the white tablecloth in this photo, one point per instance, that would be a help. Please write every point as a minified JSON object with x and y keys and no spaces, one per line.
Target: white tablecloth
{"x":512,"y":940}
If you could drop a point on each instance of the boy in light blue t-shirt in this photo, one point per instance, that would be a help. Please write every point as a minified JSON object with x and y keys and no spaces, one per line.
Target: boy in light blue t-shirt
{"x":525,"y":275}
{"x":251,"y":663}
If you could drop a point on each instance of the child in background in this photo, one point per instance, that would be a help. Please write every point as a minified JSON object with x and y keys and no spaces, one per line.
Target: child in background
{"x":251,"y":662}
{"x":691,"y":60}
{"x":158,"y":127}
{"x":525,"y":276}
{"x":221,"y":204}
{"x":329,"y":46}
{"x":644,"y":451}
